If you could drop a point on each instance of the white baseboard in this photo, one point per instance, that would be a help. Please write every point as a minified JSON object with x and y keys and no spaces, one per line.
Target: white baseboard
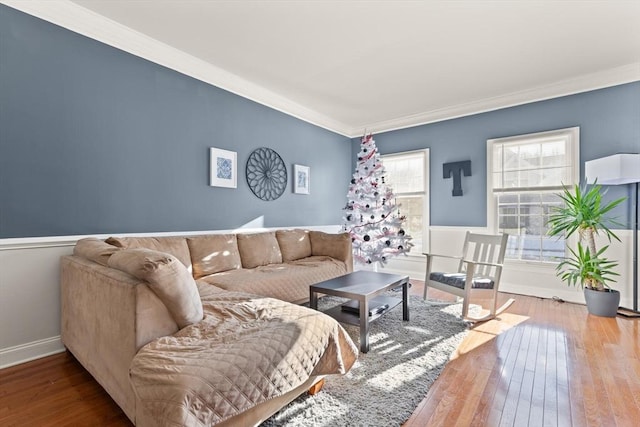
{"x":568,"y":294}
{"x":30,"y":351}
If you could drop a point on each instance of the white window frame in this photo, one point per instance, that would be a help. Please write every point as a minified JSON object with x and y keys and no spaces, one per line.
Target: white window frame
{"x":573,"y":134}
{"x":426,"y":220}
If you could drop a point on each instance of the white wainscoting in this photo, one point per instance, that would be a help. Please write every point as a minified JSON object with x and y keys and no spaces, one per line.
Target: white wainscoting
{"x":442,"y":240}
{"x":30,"y":295}
{"x":30,"y":291}
{"x":30,"y":271}
{"x":521,"y":278}
{"x":531,"y":279}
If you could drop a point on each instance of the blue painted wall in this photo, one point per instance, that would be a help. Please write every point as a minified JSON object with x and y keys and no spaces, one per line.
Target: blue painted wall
{"x":609,"y":121}
{"x":95,"y":140}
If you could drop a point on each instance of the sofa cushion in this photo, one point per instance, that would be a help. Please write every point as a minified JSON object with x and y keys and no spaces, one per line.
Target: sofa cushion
{"x":294,"y":244}
{"x":332,"y":245}
{"x":167,"y":277}
{"x":95,"y":250}
{"x":259,"y":249}
{"x":176,"y":246}
{"x":213,"y":254}
{"x":287,"y":282}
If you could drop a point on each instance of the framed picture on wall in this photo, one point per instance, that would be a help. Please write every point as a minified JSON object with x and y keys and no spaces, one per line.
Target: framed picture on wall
{"x":301,"y":176}
{"x":223,"y":168}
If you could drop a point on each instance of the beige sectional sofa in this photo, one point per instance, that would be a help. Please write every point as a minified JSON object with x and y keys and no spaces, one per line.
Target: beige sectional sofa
{"x":279,"y":264}
{"x":129,"y":302}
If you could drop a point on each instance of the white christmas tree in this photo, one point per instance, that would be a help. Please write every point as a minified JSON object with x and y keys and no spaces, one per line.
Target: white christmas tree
{"x":371,"y":215}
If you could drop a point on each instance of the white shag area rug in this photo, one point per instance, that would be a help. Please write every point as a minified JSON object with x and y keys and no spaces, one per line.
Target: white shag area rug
{"x":386,"y":384}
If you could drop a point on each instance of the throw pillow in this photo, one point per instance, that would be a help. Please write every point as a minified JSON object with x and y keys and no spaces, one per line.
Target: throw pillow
{"x":294,"y":244}
{"x":174,"y":245}
{"x":330,"y":245}
{"x":213,"y":254}
{"x":94,"y":249}
{"x":259,"y":249}
{"x":167,"y":277}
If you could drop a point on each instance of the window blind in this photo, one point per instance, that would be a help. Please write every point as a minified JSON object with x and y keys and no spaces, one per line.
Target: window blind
{"x":406,"y":172}
{"x":543,"y":164}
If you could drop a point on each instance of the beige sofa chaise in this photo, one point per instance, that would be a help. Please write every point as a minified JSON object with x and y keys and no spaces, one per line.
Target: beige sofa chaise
{"x":201,"y":330}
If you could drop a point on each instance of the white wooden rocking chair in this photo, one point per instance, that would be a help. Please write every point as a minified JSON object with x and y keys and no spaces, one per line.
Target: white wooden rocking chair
{"x":478,"y":274}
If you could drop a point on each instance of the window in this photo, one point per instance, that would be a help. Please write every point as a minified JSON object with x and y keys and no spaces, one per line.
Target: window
{"x":407,"y":175}
{"x":526,"y":173}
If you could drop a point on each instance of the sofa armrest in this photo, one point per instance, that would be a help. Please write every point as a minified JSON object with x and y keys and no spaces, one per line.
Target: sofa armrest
{"x":337,"y":246}
{"x":107,"y":315}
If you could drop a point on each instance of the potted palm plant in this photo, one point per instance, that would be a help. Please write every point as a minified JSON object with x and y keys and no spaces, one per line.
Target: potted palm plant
{"x":583,"y":212}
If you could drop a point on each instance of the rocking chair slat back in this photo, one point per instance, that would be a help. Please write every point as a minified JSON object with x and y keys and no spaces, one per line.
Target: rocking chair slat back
{"x":481,"y":263}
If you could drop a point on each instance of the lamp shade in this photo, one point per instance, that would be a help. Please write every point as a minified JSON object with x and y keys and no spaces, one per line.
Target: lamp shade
{"x":613,"y":170}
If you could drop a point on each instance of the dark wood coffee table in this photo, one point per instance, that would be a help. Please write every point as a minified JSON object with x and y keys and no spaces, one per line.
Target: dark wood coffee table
{"x":362,"y":287}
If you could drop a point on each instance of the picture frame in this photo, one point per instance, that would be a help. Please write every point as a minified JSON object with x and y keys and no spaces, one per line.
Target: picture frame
{"x":223,"y":168}
{"x":301,"y":179}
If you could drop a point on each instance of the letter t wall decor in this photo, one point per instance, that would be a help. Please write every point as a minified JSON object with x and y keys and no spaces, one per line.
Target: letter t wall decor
{"x":456,"y":169}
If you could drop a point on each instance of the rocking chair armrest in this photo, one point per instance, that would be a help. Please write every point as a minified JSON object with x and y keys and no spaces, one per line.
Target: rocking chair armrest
{"x":490,"y":264}
{"x":442,"y":256}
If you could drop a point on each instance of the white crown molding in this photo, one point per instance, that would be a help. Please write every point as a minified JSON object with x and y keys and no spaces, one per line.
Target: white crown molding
{"x":607,"y":78}
{"x":71,"y":16}
{"x":83,"y":21}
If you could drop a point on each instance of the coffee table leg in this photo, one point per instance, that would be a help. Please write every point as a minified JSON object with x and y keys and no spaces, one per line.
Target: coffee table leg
{"x":364,"y":325}
{"x":313,"y":300}
{"x":405,"y":301}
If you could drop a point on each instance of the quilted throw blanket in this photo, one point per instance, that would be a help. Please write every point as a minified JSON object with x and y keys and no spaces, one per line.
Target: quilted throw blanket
{"x":246,"y":350}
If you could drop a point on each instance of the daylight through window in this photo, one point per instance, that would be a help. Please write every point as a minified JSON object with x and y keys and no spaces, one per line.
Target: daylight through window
{"x":406,"y":172}
{"x":525,"y":175}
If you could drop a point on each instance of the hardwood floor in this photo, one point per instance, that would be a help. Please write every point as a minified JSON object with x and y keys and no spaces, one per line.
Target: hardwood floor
{"x":542,"y":363}
{"x":55,"y":391}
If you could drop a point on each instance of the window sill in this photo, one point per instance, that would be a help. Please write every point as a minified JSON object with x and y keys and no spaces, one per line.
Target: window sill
{"x":415,"y":254}
{"x":412,"y":257}
{"x":530,"y":265}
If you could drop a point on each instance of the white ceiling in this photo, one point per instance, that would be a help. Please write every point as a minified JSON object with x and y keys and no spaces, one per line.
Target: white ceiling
{"x":380,"y":65}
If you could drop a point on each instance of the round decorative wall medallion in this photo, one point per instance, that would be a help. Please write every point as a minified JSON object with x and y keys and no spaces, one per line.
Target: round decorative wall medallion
{"x":266,"y":174}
